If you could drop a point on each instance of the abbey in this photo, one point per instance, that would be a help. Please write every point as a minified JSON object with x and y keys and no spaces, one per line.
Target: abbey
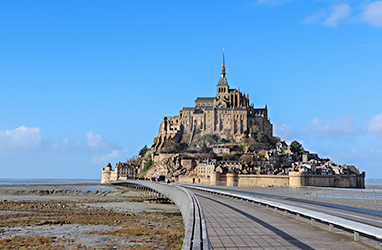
{"x":225,"y":139}
{"x":229,"y":115}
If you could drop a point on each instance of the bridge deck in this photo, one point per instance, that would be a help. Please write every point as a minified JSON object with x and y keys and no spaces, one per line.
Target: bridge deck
{"x":233,"y":224}
{"x":363,"y":213}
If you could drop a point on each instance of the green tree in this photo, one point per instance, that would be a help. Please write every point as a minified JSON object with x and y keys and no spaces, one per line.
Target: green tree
{"x":205,"y":149}
{"x":296,"y":147}
{"x":147,"y":165}
{"x":246,"y":133}
{"x":261,"y":137}
{"x":143,"y":151}
{"x":155,"y":140}
{"x":170,"y":146}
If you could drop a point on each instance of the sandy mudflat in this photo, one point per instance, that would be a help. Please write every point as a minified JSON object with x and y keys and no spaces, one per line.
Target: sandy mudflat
{"x":77,"y":191}
{"x":80,"y":216}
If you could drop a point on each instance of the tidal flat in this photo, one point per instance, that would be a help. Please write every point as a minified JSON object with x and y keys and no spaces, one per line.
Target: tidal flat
{"x":86,"y":217}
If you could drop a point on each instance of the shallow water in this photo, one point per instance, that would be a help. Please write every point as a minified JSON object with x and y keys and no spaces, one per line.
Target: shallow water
{"x":26,"y":181}
{"x":55,"y":184}
{"x":77,"y":233}
{"x":22,"y":199}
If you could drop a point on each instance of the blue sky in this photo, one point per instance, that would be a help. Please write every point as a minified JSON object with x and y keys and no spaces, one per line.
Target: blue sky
{"x":84,"y":83}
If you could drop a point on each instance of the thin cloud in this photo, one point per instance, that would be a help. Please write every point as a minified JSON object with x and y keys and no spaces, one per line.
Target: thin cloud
{"x":375,"y":125}
{"x":104,"y":159}
{"x":20,"y":138}
{"x":315,"y":18}
{"x":333,"y":129}
{"x":373,"y":14}
{"x":96,"y":148}
{"x":338,"y":12}
{"x":283,"y":131}
{"x":370,"y":13}
{"x":97,"y":142}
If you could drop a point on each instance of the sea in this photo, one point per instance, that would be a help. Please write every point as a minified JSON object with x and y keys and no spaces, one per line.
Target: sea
{"x":27,"y":181}
{"x":68,"y":184}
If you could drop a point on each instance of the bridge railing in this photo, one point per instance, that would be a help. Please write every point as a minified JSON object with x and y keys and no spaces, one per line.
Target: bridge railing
{"x":355,"y":195}
{"x":196,"y":236}
{"x":332,"y":221}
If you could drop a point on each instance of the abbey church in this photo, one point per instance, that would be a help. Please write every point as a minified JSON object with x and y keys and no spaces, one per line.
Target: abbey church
{"x":229,"y":115}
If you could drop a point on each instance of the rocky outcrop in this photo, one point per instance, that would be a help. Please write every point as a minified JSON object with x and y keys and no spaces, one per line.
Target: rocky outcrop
{"x":172,"y":164}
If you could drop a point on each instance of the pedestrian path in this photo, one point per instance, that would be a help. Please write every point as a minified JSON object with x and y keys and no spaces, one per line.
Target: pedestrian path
{"x":234,"y":224}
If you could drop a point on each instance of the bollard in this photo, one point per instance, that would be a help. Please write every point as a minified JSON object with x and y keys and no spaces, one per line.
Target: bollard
{"x":331,"y":228}
{"x":356,"y":236}
{"x":351,"y":194}
{"x":375,"y":198}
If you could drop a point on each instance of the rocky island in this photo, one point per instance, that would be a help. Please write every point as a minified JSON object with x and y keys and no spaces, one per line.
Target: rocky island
{"x":226,"y":140}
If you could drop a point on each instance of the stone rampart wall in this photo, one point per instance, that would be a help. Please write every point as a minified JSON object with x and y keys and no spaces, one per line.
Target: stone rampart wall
{"x":277,"y":180}
{"x":340,"y":181}
{"x":293,"y":179}
{"x":188,"y":179}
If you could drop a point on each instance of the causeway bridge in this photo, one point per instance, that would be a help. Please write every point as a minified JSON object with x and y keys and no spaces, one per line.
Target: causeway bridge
{"x":221,"y":217}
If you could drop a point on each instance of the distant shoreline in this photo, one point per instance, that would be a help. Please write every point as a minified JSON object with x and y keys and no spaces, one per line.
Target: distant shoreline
{"x":46,"y":181}
{"x":373,"y":186}
{"x":372,"y":183}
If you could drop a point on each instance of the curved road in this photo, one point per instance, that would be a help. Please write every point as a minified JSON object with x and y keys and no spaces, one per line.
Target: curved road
{"x":358,"y":214}
{"x":234,"y":224}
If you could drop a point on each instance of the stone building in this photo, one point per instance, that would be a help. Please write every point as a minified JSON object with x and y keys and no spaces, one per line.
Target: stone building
{"x":229,"y":115}
{"x":122,"y":171}
{"x":220,"y":149}
{"x":205,"y":168}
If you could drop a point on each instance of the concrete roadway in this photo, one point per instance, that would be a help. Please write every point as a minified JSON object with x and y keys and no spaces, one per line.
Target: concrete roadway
{"x":234,"y":224}
{"x":358,"y":214}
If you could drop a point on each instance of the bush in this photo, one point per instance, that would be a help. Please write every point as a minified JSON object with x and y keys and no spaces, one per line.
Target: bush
{"x":231,"y":157}
{"x":170,"y":146}
{"x":147,"y":165}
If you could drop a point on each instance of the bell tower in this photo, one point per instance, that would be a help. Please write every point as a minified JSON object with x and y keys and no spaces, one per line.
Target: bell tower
{"x":222,"y":99}
{"x":222,"y":87}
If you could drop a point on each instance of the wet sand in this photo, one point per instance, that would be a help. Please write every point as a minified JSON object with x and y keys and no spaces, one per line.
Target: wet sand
{"x":86,"y":217}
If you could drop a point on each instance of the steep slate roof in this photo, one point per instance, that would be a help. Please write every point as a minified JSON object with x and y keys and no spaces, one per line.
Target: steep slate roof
{"x":223,"y":81}
{"x":205,"y":99}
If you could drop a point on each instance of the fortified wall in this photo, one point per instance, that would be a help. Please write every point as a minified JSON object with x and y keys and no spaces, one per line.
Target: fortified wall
{"x":293,"y":179}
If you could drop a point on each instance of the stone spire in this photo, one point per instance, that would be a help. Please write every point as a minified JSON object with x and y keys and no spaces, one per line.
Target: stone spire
{"x":223,"y":66}
{"x":223,"y":80}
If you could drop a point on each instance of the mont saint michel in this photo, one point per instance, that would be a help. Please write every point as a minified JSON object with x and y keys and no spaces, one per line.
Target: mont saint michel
{"x":226,"y":139}
{"x":229,"y":116}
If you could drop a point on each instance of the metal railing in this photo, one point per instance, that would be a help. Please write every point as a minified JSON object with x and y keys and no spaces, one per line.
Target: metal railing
{"x":196,"y":236}
{"x":332,"y":221}
{"x":355,"y":195}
